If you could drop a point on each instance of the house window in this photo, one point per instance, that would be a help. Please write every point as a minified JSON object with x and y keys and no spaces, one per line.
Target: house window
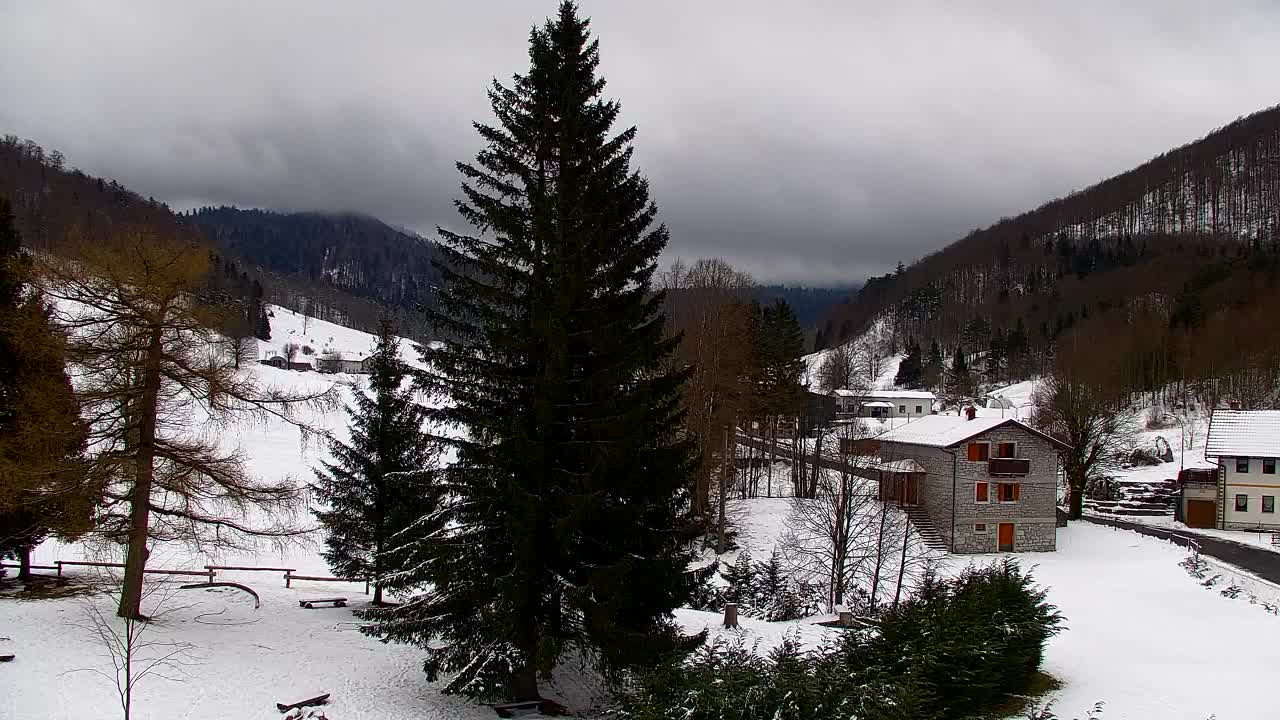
{"x":1268,"y":503}
{"x":1242,"y":465}
{"x":902,"y":409}
{"x":979,"y":527}
{"x":980,"y":492}
{"x":979,"y":452}
{"x":1009,"y":492}
{"x":1242,"y":503}
{"x":1268,"y":466}
{"x":1007,"y":450}
{"x":919,"y":409}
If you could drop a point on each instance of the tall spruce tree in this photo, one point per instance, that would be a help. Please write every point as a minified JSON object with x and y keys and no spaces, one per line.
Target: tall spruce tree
{"x":781,"y":346}
{"x":383,"y":480}
{"x":569,"y":478}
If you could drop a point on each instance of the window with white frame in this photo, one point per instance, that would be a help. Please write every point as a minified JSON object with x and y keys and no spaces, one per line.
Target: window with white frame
{"x":1268,"y":503}
{"x":979,"y":527}
{"x":1242,"y":503}
{"x":1242,"y":465}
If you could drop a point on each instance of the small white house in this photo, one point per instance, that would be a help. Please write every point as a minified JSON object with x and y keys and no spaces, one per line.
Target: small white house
{"x":352,"y":363}
{"x":884,"y":403}
{"x":1246,"y":446}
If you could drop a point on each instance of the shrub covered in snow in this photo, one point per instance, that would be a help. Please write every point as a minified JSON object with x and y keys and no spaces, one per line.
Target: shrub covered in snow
{"x":956,"y":650}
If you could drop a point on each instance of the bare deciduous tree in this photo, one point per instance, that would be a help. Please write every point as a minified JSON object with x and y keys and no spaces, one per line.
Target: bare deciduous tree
{"x":839,"y":369}
{"x":707,"y":305}
{"x":844,"y":538}
{"x":154,"y":386}
{"x":133,"y":649}
{"x":1097,"y":426}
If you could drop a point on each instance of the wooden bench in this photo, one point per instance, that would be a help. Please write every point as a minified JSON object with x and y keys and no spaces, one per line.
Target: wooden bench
{"x":337,"y":602}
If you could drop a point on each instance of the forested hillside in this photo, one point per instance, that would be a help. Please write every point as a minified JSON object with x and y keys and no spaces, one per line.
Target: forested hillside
{"x":355,"y":253}
{"x":345,"y":269}
{"x":1167,"y":274}
{"x":811,"y":305}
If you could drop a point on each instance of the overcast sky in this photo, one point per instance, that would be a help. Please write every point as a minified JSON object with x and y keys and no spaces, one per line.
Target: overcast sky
{"x":805,"y":142}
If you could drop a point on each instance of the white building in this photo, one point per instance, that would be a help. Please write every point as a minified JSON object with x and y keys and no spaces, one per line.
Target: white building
{"x":343,"y":362}
{"x":1246,"y":446}
{"x":884,"y":403}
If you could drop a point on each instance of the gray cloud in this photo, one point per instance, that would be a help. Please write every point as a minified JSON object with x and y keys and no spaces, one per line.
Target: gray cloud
{"x":815,"y":142}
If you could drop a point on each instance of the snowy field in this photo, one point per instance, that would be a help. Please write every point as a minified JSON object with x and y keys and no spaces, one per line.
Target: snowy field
{"x":1143,"y":636}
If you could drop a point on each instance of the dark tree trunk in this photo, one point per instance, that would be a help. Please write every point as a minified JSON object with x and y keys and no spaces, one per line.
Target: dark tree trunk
{"x":24,"y":563}
{"x":144,"y":415}
{"x":524,"y":684}
{"x":1076,"y":506}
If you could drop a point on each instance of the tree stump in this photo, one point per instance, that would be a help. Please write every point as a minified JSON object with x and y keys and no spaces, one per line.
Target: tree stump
{"x":731,"y":615}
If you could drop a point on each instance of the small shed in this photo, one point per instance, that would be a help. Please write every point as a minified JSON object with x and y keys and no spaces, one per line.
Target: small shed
{"x":1197,"y":505}
{"x":275,"y":361}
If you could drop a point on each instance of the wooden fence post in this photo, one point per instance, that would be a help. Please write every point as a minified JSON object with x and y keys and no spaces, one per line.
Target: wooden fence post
{"x":287,"y":579}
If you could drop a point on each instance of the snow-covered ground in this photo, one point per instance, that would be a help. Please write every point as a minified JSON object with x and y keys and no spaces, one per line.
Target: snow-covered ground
{"x":1142,"y":635}
{"x":1145,"y":638}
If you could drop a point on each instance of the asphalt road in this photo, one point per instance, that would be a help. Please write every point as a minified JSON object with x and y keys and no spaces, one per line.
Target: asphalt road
{"x":1261,"y":562}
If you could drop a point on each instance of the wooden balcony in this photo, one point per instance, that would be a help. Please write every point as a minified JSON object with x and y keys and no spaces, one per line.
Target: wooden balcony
{"x":1008,"y":466}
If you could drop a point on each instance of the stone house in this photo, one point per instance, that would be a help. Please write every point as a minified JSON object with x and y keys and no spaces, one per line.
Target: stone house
{"x":984,"y":484}
{"x":1246,"y":446}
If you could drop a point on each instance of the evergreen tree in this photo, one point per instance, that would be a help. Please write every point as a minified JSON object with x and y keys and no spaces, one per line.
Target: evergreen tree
{"x":997,"y":356}
{"x":42,"y":491}
{"x":931,"y":375}
{"x":569,"y":478}
{"x":381,"y":482}
{"x":959,"y":380}
{"x":780,"y":348}
{"x":911,"y":369}
{"x":1017,"y":347}
{"x":741,"y":581}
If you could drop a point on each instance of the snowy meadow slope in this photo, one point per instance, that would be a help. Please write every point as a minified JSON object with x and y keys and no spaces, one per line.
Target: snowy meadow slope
{"x":1142,"y":635}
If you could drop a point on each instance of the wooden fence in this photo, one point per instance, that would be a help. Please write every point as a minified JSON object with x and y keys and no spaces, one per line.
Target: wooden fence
{"x":210,"y":571}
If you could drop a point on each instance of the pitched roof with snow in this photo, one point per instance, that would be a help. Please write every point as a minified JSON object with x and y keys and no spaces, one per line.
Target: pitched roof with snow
{"x":1244,"y":433}
{"x":886,"y":394}
{"x":946,"y":431}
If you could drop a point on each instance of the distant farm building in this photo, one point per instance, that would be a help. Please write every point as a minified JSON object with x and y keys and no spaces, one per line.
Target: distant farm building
{"x":883,"y":403}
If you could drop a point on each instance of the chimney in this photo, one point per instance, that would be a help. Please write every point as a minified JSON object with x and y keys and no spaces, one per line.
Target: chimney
{"x":970,"y":412}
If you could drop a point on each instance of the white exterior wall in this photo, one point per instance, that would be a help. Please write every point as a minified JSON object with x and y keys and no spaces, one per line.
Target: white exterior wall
{"x":1255,"y":484}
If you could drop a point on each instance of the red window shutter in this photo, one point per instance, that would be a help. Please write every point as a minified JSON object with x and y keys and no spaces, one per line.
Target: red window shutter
{"x":1017,"y":491}
{"x":974,"y":450}
{"x":982,"y":492}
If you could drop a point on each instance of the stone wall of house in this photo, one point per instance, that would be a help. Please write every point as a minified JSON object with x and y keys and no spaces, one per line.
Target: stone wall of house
{"x":935,"y":489}
{"x":1033,"y":515}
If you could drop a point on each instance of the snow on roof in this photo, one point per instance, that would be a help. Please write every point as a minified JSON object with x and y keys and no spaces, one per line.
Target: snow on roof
{"x":892,"y":466}
{"x":878,"y":403}
{"x":887,"y":394}
{"x":1244,"y":433}
{"x":948,"y":430}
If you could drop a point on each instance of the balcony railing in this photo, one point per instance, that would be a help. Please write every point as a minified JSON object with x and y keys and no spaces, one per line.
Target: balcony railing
{"x":1008,"y":466}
